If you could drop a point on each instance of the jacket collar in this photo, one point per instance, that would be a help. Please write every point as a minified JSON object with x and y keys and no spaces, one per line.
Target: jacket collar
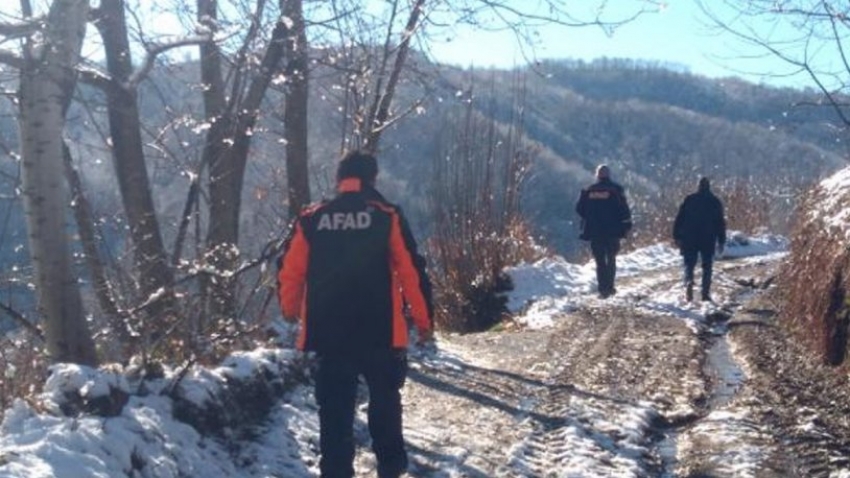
{"x":350,"y":185}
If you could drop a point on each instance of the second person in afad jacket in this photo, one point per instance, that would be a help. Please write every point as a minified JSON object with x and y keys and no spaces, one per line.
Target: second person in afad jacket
{"x":349,"y":269}
{"x":605,"y":218}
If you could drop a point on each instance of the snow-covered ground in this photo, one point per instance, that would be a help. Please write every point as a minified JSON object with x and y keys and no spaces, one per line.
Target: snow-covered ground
{"x":144,"y":440}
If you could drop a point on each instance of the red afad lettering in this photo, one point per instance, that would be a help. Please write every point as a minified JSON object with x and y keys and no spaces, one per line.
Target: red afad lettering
{"x":599,"y":194}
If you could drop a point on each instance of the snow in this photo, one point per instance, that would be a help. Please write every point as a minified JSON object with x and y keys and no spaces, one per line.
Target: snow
{"x":551,"y":286}
{"x":833,"y":196}
{"x":145,"y":440}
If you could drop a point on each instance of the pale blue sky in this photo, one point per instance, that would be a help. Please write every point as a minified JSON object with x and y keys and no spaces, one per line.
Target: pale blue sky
{"x":679,"y":33}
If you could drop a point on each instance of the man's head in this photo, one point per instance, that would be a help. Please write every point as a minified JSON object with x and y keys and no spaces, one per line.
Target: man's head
{"x":360,"y":165}
{"x":704,"y":184}
{"x":603,"y":172}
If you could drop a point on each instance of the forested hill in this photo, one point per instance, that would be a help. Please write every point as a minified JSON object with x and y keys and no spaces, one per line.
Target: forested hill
{"x":658,"y":129}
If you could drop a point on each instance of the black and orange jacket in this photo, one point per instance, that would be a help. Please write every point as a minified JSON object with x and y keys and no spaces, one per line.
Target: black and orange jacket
{"x":604,"y":211}
{"x":348,"y":268}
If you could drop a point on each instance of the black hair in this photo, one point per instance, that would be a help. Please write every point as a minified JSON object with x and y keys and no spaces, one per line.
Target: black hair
{"x":358,"y":164}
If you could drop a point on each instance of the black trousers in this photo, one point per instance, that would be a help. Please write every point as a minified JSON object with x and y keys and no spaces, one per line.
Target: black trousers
{"x":706,"y":256}
{"x":384,"y":372}
{"x":605,"y":254}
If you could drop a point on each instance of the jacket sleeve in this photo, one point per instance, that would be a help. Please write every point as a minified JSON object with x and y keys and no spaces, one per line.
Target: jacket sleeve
{"x":403,"y":263}
{"x":625,"y":211}
{"x":581,"y":204}
{"x":420,"y":263}
{"x":292,"y":275}
{"x":678,"y":224}
{"x":721,"y":224}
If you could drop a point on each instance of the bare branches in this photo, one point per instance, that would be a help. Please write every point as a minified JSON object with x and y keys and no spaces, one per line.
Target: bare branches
{"x":13,"y":30}
{"x":155,"y":50}
{"x":19,"y":319}
{"x":381,"y":110}
{"x":11,"y":58}
{"x":807,"y":36}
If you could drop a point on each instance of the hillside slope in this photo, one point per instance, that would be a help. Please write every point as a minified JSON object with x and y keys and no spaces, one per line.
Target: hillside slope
{"x":659,"y":130}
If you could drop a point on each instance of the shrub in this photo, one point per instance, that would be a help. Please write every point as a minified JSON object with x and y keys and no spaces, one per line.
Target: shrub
{"x":475,"y":205}
{"x":471,"y":284}
{"x":815,"y":278}
{"x":23,"y":364}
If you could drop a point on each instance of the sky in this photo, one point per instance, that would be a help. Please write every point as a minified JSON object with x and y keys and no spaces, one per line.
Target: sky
{"x":37,"y":442}
{"x":677,"y":33}
{"x":674,"y":32}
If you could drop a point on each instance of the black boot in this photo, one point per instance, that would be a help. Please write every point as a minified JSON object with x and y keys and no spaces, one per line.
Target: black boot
{"x":689,"y":292}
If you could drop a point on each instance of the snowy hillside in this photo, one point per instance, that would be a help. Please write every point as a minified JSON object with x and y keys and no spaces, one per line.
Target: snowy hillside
{"x":595,"y":436}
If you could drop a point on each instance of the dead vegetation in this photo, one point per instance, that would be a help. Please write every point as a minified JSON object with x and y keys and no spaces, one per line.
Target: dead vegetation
{"x":475,"y":205}
{"x":750,"y":207}
{"x":816,"y":275}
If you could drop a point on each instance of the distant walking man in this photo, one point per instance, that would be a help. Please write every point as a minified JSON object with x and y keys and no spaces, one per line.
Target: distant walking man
{"x":606,"y":219}
{"x":700,"y":226}
{"x":349,"y":267}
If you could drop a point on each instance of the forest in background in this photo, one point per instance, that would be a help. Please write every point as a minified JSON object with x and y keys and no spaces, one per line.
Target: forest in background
{"x":658,"y":129}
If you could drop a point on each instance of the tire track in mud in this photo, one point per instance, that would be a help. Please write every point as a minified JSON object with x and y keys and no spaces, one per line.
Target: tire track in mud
{"x":804,"y":402}
{"x":618,"y":368}
{"x":599,"y":390}
{"x":487,"y":393}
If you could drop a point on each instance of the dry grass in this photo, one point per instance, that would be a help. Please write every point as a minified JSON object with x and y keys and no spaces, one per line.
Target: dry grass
{"x":471,"y":285}
{"x":814,"y":281}
{"x":23,"y":367}
{"x":749,"y":208}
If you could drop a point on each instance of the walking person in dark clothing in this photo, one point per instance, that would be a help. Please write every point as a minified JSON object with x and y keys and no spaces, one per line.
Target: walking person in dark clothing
{"x":606,"y":219}
{"x":349,"y":267}
{"x":700,"y":226}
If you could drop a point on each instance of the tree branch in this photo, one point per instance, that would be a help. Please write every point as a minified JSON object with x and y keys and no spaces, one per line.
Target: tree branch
{"x":10,"y":58}
{"x":156,"y":50}
{"x":93,"y":77}
{"x":19,"y":319}
{"x":12,"y":30}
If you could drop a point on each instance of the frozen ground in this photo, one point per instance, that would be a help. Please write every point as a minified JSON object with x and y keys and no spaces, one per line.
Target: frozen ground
{"x":642,"y":384}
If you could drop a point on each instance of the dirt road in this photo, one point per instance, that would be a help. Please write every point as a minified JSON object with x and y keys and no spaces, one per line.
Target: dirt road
{"x":643,"y":384}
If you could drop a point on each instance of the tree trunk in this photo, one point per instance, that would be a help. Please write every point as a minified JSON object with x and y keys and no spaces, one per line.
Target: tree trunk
{"x":226,"y":152}
{"x":295,"y":115}
{"x":150,"y":258}
{"x":88,"y":241}
{"x":47,"y":80}
{"x":380,"y":111}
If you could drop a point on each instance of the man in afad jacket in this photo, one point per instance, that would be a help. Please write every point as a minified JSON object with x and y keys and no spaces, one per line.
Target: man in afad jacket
{"x":699,"y":227}
{"x":349,"y":268}
{"x":606,"y":218}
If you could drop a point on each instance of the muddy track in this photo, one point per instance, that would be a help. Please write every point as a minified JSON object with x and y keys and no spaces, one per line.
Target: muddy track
{"x":508,"y":403}
{"x":598,"y":350}
{"x":806,"y":403}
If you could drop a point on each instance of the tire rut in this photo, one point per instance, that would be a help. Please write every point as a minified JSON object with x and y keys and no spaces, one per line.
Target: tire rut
{"x":596,"y":388}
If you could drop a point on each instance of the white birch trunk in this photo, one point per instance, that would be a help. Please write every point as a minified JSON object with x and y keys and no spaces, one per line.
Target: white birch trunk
{"x":47,"y":82}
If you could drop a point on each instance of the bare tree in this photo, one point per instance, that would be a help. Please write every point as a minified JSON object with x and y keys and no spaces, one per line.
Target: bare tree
{"x":48,"y":76}
{"x":375,"y":53}
{"x":809,"y":37}
{"x":155,"y":277}
{"x":232,"y":99}
{"x":295,"y":113}
{"x":475,"y":203}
